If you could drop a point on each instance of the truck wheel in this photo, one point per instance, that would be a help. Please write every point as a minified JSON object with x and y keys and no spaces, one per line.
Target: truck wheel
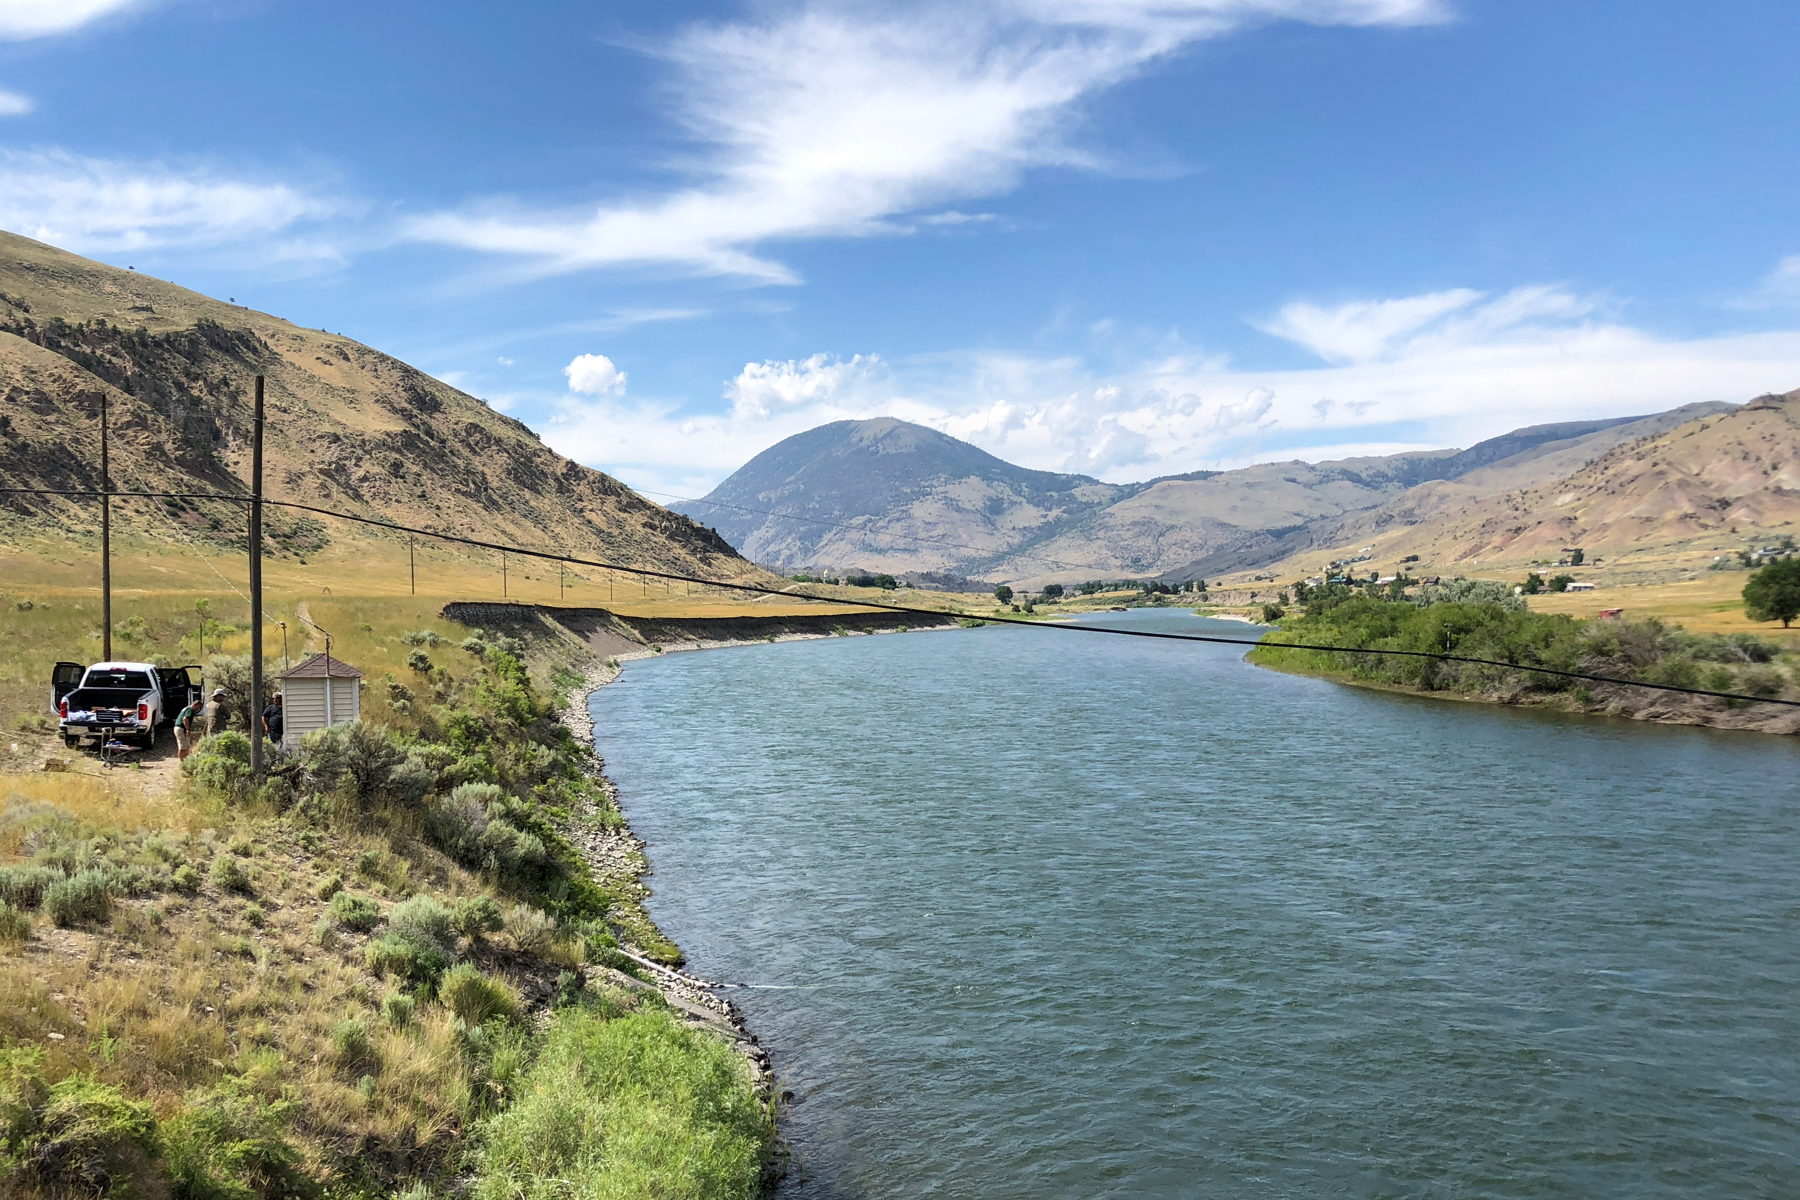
{"x":71,"y":741}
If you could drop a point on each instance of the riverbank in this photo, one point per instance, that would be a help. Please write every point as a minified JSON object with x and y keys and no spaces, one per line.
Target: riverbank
{"x":618,"y":859}
{"x":1645,"y":651}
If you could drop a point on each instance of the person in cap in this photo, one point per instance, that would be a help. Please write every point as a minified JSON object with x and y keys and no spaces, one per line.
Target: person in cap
{"x":215,"y":713}
{"x":188,"y":726}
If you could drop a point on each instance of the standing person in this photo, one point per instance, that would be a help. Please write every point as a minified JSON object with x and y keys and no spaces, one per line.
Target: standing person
{"x":215,"y":713}
{"x":192,"y":718}
{"x":271,"y":720}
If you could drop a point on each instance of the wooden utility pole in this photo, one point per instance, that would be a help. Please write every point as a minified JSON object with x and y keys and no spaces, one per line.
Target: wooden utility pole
{"x":105,"y":538}
{"x":256,"y":588}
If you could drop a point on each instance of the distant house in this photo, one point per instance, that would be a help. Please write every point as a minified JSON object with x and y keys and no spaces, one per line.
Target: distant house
{"x":1581,"y":587}
{"x":1612,"y":614}
{"x":320,"y":691}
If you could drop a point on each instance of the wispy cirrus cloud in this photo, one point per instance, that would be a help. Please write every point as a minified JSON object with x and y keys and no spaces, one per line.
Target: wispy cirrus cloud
{"x":836,"y":119}
{"x":15,"y":104}
{"x":24,"y":19}
{"x":98,"y":206}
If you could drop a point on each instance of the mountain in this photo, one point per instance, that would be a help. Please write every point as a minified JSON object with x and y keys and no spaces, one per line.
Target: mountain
{"x":1690,"y":487}
{"x":347,"y":427}
{"x":888,"y":495}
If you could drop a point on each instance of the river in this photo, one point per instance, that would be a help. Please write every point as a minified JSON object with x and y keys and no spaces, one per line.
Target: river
{"x":1030,"y":913}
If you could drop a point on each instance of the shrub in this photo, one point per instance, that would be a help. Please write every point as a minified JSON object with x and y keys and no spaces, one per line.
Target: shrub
{"x":229,"y":1144}
{"x":228,"y":874}
{"x":419,"y":944}
{"x":424,"y":921}
{"x":23,"y":886}
{"x":397,"y":1009}
{"x":1761,"y":681}
{"x":530,"y":929}
{"x":475,"y":646}
{"x":474,"y":997}
{"x":361,"y":913}
{"x":254,"y":914}
{"x":221,"y":764}
{"x":636,"y":1106}
{"x":185,"y":879}
{"x":392,"y":955}
{"x":456,"y":822}
{"x":355,"y":759}
{"x":325,"y":933}
{"x":15,"y":926}
{"x":81,"y":897}
{"x":419,"y":661}
{"x":350,"y":1044}
{"x":232,"y":673}
{"x":475,"y":915}
{"x":88,"y":1138}
{"x":330,"y":886}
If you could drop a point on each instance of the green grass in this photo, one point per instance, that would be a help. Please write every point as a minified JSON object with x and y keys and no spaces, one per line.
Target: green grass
{"x":625,"y":1108}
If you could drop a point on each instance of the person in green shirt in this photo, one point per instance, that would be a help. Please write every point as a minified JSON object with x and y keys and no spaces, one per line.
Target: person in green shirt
{"x":188,"y":726}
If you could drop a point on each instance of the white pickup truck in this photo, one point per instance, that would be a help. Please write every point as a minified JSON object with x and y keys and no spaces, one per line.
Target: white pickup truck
{"x":129,"y":701}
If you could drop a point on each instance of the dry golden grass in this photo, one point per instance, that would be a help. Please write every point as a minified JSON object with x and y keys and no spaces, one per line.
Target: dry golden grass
{"x":1713,"y":603}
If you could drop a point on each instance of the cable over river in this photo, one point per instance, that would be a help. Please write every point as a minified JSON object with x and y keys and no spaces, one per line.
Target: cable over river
{"x":1037,"y":916}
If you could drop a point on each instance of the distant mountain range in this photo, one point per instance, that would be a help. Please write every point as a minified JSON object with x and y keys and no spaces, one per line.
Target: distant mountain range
{"x":886,"y":495}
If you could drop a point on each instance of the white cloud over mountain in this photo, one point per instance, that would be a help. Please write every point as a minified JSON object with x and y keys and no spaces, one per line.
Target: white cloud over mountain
{"x":1441,"y":369}
{"x":835,"y":120}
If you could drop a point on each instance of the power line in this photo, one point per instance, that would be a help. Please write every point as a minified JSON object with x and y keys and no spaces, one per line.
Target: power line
{"x":885,"y":606}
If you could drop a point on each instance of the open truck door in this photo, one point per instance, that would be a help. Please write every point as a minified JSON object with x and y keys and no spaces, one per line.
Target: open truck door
{"x":65,"y":677}
{"x":181,"y":687}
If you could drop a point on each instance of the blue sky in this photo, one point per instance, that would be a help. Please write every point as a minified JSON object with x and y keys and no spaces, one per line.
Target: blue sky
{"x":1126,"y":237}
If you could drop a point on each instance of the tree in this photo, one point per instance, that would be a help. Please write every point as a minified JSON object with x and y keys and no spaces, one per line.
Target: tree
{"x":1052,"y":591}
{"x":1773,"y":593}
{"x":1003,"y":594}
{"x":1561,"y":583}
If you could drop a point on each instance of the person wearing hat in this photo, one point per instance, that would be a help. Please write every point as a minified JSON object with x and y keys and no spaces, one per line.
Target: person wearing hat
{"x":188,"y":725}
{"x":215,"y":713}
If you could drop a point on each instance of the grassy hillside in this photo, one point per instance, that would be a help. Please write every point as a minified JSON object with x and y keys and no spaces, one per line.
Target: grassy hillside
{"x":347,"y":428}
{"x":1657,"y":509}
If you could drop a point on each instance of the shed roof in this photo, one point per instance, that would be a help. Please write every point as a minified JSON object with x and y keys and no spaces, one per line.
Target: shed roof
{"x":315,"y":668}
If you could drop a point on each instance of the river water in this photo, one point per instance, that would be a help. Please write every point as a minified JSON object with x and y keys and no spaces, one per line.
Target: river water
{"x":1046,"y":914}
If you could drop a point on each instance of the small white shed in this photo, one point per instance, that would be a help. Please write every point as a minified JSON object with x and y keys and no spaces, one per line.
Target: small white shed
{"x":320,"y":691}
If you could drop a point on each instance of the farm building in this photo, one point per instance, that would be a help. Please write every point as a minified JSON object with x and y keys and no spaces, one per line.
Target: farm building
{"x":320,"y":691}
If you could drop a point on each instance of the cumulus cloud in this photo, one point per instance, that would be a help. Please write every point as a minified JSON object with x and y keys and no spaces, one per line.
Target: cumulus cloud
{"x":835,"y":119}
{"x":766,"y":387}
{"x":14,"y":104}
{"x":594,"y":375}
{"x":24,"y":19}
{"x":1449,"y":374}
{"x":93,"y":205}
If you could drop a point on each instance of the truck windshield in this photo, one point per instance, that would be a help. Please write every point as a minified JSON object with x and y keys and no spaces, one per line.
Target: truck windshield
{"x":117,"y":679}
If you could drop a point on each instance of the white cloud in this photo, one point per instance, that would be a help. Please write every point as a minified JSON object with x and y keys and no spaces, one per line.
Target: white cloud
{"x":14,"y":104}
{"x":594,"y":375}
{"x":1451,"y":377}
{"x":23,"y":19}
{"x":92,"y":205}
{"x":832,"y":120}
{"x":765,"y":387}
